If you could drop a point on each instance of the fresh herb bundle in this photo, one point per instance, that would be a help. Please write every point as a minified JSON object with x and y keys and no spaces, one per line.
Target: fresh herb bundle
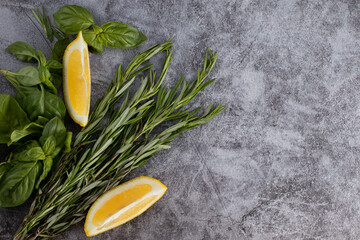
{"x":119,"y":136}
{"x":103,"y":154}
{"x":33,"y":121}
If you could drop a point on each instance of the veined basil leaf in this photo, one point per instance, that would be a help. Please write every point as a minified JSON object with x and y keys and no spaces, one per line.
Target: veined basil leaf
{"x":56,"y":151}
{"x":53,"y":64}
{"x":12,"y":117}
{"x":121,"y":35}
{"x":44,"y":75}
{"x":49,"y":145}
{"x":42,"y":120}
{"x":31,"y":128}
{"x":23,"y":51}
{"x":28,"y":76}
{"x":58,"y":50}
{"x":17,"y":184}
{"x":72,"y":18}
{"x":54,"y":128}
{"x":32,"y":100}
{"x":93,"y":40}
{"x":42,"y":58}
{"x":30,"y":151}
{"x":48,"y":162}
{"x":54,"y":106}
{"x":38,"y":102}
{"x":4,"y":168}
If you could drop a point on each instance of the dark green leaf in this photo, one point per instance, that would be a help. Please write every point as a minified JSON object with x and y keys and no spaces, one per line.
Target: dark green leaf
{"x":93,"y":40}
{"x":48,"y":162}
{"x":38,"y":102}
{"x":45,"y":75}
{"x":121,"y":35}
{"x":56,"y":151}
{"x":28,"y":76}
{"x":32,"y":100}
{"x":67,"y":143}
{"x":4,"y":167}
{"x":71,"y":19}
{"x":56,"y":79}
{"x":30,"y":129}
{"x":30,"y":151}
{"x":23,"y":51}
{"x":54,"y":128}
{"x":42,"y":58}
{"x":53,"y":64}
{"x":17,"y":184}
{"x":54,"y":106}
{"x":12,"y":117}
{"x":49,"y":145}
{"x":42,"y":120}
{"x":58,"y":50}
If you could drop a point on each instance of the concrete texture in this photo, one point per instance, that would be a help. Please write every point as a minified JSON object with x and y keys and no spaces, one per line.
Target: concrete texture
{"x":282,"y":162}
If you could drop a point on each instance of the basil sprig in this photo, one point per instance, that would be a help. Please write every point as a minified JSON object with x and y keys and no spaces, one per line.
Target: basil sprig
{"x":71,"y":19}
{"x":30,"y":163}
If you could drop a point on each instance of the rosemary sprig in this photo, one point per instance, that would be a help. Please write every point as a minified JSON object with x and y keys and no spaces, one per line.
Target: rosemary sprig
{"x":51,"y":31}
{"x":104,"y":154}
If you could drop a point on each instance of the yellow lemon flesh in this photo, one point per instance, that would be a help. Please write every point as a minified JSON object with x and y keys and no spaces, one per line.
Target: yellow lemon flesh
{"x":122,"y":203}
{"x":77,"y":81}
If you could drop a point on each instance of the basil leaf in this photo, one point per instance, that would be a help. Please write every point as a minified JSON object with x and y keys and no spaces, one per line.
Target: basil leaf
{"x":42,"y":120}
{"x":58,"y":50}
{"x":30,"y":129}
{"x":38,"y":102}
{"x":28,"y":76}
{"x":12,"y":117}
{"x":56,"y":151}
{"x":121,"y":35}
{"x":42,"y":58}
{"x":23,"y":51}
{"x":17,"y":184}
{"x":54,"y":128}
{"x":93,"y":40}
{"x":32,"y":100}
{"x":54,"y":106}
{"x":47,"y":163}
{"x":49,"y":145}
{"x":5,"y":167}
{"x":53,"y":64}
{"x":30,"y":151}
{"x":71,"y":19}
{"x":67,"y":143}
{"x":56,"y":79}
{"x":44,"y":75}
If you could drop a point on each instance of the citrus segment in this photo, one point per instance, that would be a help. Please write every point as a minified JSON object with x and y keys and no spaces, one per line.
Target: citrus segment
{"x":122,"y":203}
{"x":119,"y":201}
{"x":130,"y":213}
{"x":77,"y":81}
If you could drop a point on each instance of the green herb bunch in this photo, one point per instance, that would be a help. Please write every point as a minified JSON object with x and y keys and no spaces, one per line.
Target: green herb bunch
{"x":34,"y":119}
{"x":104,"y":153}
{"x":33,"y":122}
{"x":123,"y":132}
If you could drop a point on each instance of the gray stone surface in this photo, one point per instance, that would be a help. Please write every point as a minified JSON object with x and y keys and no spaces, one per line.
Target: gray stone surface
{"x":282,"y":161}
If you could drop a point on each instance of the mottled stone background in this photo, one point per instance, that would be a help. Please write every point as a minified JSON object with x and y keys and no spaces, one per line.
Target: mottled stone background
{"x":282,"y":161}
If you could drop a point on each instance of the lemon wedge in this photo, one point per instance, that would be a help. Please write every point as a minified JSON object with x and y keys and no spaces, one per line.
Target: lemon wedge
{"x":76,"y":80}
{"x":122,"y":203}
